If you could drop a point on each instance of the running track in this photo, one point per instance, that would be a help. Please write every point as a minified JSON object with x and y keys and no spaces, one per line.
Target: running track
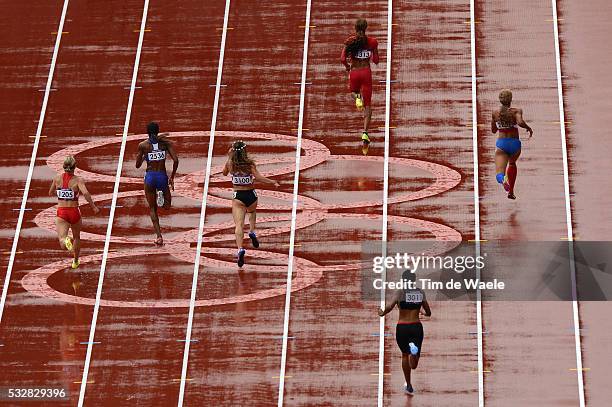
{"x":332,"y":347}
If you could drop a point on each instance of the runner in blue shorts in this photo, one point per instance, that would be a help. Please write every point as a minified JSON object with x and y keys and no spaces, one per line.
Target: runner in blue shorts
{"x":507,"y":120}
{"x":157,"y":185}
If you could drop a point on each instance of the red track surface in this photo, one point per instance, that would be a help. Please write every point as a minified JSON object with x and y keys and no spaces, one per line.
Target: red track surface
{"x":333,"y":352}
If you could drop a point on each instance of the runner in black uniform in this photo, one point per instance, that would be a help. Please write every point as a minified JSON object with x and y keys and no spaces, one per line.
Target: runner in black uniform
{"x":409,"y":330}
{"x":244,"y":174}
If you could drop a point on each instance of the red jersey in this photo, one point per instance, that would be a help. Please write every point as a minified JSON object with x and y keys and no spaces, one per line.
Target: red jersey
{"x":367,"y":52}
{"x":65,"y":193}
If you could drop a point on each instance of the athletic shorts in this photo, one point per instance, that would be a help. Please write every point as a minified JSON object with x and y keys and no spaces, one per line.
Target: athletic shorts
{"x":248,"y":197}
{"x":360,"y":81}
{"x":70,"y":214}
{"x":409,"y":332}
{"x":157,"y":180}
{"x":508,"y":145}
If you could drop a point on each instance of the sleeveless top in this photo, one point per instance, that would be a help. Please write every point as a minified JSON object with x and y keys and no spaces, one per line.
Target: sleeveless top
{"x":65,"y":193}
{"x":242,"y":179}
{"x":412,"y":299}
{"x":157,"y":154}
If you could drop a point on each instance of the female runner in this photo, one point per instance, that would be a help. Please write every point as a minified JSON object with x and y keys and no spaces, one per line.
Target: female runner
{"x":67,"y":187}
{"x":244,"y":173}
{"x":409,"y":329}
{"x":156,"y":182}
{"x":356,"y":55}
{"x":507,"y":120}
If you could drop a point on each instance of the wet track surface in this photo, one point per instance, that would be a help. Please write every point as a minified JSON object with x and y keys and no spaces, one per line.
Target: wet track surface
{"x":237,"y":332}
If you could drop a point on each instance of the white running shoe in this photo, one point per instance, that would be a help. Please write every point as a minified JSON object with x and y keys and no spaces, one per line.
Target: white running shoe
{"x":414,"y":350}
{"x":160,"y":198}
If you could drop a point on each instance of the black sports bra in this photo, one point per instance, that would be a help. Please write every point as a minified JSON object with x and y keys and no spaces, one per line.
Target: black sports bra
{"x":412,"y":299}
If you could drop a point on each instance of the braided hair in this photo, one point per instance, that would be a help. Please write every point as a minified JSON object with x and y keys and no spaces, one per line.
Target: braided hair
{"x":357,"y":41}
{"x":506,"y":117}
{"x":240,"y":160}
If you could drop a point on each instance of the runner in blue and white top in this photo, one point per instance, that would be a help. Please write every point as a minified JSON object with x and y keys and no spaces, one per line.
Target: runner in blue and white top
{"x":157,"y":185}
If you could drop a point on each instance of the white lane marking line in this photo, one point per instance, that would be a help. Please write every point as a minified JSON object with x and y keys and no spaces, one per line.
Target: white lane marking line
{"x":109,"y":227}
{"x":296,"y":179}
{"x":477,"y":239}
{"x":196,"y":265}
{"x":568,"y":211}
{"x":24,"y":199}
{"x":381,"y":322}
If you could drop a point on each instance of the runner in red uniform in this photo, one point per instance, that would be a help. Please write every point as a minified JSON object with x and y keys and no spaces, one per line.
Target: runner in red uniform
{"x":358,"y":50}
{"x":67,"y":187}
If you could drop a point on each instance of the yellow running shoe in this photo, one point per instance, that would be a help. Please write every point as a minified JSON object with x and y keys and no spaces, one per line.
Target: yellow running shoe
{"x":68,"y":243}
{"x":75,"y":264}
{"x":359,"y":102}
{"x":365,"y":138}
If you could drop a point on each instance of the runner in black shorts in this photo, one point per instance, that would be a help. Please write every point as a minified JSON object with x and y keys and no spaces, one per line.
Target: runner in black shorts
{"x":244,"y":174}
{"x":409,"y":330}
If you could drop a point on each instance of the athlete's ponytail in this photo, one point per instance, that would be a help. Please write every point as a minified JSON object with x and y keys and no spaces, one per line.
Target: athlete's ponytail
{"x":241,"y":162}
{"x":359,"y":40}
{"x":505,"y":116}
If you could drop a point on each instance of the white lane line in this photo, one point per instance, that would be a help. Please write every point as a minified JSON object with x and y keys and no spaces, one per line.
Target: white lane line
{"x":24,"y":199}
{"x":568,"y":212}
{"x":476,"y":202}
{"x":209,"y":157}
{"x":296,"y":179}
{"x":109,"y":227}
{"x":381,"y":323}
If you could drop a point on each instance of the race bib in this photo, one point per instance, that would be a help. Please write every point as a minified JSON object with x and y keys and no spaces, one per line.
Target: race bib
{"x":241,"y":180}
{"x":414,"y":297}
{"x":65,"y":194}
{"x":363,"y":54}
{"x":157,"y":155}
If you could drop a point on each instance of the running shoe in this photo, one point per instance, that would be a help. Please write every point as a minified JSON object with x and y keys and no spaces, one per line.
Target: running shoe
{"x":359,"y":102}
{"x":511,"y":195}
{"x":408,"y":388}
{"x":68,"y":243}
{"x":506,"y":183}
{"x":254,"y":240}
{"x":75,"y":263}
{"x":160,"y":198}
{"x":365,"y":138}
{"x":414,"y":350}
{"x":241,"y":254}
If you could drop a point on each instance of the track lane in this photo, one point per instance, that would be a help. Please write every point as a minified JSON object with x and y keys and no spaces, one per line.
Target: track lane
{"x":42,"y":337}
{"x":238,"y":350}
{"x":142,"y":353}
{"x":585,"y":63}
{"x":516,"y":50}
{"x":431,"y":107}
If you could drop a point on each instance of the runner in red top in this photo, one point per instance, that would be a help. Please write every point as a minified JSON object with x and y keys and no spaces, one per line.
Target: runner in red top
{"x":358,"y":50}
{"x":67,"y":187}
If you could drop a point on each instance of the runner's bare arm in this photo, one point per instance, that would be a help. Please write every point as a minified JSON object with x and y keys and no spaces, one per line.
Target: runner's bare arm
{"x":493,"y":124}
{"x":87,"y":195}
{"x":261,"y":178}
{"x":389,"y":306}
{"x":522,"y":123}
{"x":52,"y":188}
{"x":140,"y":156}
{"x":175,"y":159}
{"x":425,"y":306}
{"x":226,"y":169}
